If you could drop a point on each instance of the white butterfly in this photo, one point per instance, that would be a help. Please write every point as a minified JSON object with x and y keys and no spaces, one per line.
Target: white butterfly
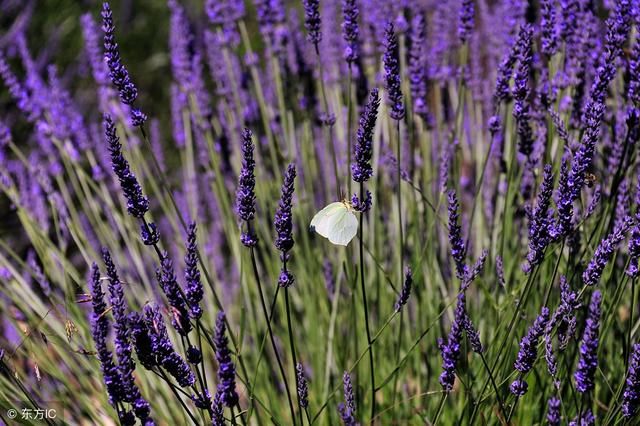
{"x":337,"y":222}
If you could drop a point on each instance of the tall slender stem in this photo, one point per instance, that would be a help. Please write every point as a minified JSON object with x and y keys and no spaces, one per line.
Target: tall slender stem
{"x":270,"y":331}
{"x":294,"y":360}
{"x":366,"y":311}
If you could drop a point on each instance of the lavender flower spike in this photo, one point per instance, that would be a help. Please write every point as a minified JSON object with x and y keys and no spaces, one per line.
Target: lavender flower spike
{"x":226,"y":369}
{"x":165,"y":354}
{"x":522,"y":92}
{"x":301,"y":381}
{"x":169,"y":284}
{"x":529,"y":352}
{"x":631,"y":395}
{"x":455,"y":237}
{"x":245,"y":195}
{"x":450,"y":349}
{"x":100,"y":330}
{"x":312,"y":21}
{"x":284,"y":225}
{"x":403,"y":298}
{"x":117,"y":71}
{"x":347,"y":409}
{"x":194,"y":291}
{"x":588,"y":362}
{"x":604,"y":252}
{"x":350,"y":31}
{"x":465,"y":20}
{"x":137,"y":202}
{"x":553,"y":411}
{"x":539,"y":222}
{"x":392,"y":73}
{"x":363,"y":151}
{"x":548,"y":27}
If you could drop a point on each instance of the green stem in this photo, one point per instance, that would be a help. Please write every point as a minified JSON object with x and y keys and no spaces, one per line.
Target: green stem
{"x":270,"y":331}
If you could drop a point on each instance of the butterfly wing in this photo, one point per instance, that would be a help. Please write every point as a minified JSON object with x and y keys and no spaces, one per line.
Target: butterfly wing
{"x":343,"y":228}
{"x":324,"y":219}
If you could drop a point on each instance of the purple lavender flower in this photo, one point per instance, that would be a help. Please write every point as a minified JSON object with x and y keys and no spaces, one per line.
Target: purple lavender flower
{"x":18,"y":92}
{"x":553,"y":411}
{"x":418,"y":67}
{"x":312,"y":21}
{"x":226,"y":369}
{"x":505,"y":71}
{"x":522,"y":92}
{"x":180,"y":45}
{"x":126,"y":364}
{"x":363,"y":149}
{"x":588,"y":362}
{"x":163,"y":349}
{"x":169,"y":284}
{"x":245,"y":195}
{"x":586,"y":419}
{"x":283,"y":223}
{"x":100,"y":330}
{"x":117,"y":71}
{"x":465,"y":20}
{"x":539,"y":222}
{"x":604,"y":252}
{"x":455,"y":237}
{"x":500,"y":271}
{"x":392,"y":73}
{"x":301,"y":383}
{"x":142,"y":341}
{"x":529,"y":351}
{"x":137,"y":202}
{"x":347,"y":409}
{"x":634,"y":250}
{"x":194,"y":291}
{"x":403,"y":298}
{"x":450,"y":350}
{"x":571,"y":183}
{"x":350,"y":31}
{"x":217,"y":413}
{"x":548,"y":27}
{"x":283,"y":218}
{"x":631,"y":395}
{"x":122,"y":337}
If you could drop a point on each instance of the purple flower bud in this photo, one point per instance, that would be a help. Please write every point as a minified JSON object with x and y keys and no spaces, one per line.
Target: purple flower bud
{"x":163,"y":349}
{"x":553,"y":411}
{"x":392,"y":73}
{"x":350,"y":31}
{"x":169,"y":284}
{"x":631,"y":394}
{"x":312,"y":21}
{"x":548,"y":27}
{"x":226,"y":369}
{"x":604,"y":252}
{"x":522,"y":91}
{"x":301,"y":383}
{"x":455,"y":237}
{"x":363,"y":149}
{"x":529,"y":351}
{"x":539,"y":224}
{"x":465,"y":20}
{"x":117,"y":71}
{"x":588,"y":362}
{"x":137,"y":202}
{"x":245,"y":195}
{"x":194,"y":291}
{"x":403,"y":298}
{"x":100,"y":331}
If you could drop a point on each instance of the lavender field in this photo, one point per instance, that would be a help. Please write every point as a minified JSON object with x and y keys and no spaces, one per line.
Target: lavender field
{"x":320,"y":212}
